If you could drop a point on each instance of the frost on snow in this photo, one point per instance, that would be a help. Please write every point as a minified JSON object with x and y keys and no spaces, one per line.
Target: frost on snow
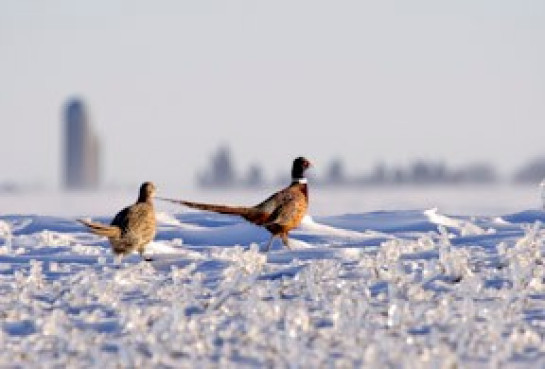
{"x":405,"y":289}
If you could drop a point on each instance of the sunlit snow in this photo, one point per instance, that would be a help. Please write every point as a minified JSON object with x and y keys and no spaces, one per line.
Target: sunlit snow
{"x":388,"y":289}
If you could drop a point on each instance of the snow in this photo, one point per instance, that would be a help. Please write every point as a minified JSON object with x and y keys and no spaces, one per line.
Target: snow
{"x":419,"y":288}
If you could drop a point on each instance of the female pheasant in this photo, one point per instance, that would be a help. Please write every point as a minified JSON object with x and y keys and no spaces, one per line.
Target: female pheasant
{"x":133,"y":227}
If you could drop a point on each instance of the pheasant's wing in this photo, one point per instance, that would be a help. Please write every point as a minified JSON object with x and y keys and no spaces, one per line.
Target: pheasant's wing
{"x":121,"y":219}
{"x":269,"y":208}
{"x":141,"y":221}
{"x":290,"y":210}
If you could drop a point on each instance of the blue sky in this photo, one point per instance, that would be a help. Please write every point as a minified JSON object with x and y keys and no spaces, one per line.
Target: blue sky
{"x":166,"y":82}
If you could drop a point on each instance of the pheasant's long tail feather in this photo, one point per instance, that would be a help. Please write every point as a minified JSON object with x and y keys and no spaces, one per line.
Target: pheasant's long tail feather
{"x":101,"y":229}
{"x":250,"y":214}
{"x":222,"y":209}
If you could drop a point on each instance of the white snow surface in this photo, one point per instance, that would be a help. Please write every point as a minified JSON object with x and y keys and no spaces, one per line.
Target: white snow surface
{"x":382,"y":289}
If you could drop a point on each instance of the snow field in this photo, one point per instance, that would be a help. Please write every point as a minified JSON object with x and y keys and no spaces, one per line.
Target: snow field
{"x":399,"y":289}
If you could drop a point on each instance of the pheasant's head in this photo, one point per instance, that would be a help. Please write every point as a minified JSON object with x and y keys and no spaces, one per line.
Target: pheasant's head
{"x":147,"y":192}
{"x":300,"y":165}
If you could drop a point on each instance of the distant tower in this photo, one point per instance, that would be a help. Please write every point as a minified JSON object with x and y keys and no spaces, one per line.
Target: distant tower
{"x":81,"y":148}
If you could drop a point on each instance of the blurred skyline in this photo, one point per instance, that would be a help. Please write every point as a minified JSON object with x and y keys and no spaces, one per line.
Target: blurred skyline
{"x":167,"y":83}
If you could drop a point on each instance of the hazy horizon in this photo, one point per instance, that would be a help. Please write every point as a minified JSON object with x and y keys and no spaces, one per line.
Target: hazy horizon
{"x":167,"y":84}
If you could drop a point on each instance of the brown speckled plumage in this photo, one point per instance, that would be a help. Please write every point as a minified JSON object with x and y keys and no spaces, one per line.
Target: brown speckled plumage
{"x":279,"y":214}
{"x":133,"y":227}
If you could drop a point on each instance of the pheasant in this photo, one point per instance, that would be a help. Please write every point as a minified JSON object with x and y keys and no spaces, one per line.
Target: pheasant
{"x":133,"y":227}
{"x":279,"y":214}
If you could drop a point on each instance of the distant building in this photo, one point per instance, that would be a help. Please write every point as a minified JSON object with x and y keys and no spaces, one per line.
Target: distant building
{"x":81,"y":148}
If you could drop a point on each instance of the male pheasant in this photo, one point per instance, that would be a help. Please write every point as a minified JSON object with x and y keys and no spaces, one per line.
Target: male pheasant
{"x":279,"y":214}
{"x":133,"y":227}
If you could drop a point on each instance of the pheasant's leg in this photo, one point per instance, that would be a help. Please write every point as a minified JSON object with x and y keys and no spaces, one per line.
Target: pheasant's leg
{"x":145,"y":258}
{"x":117,"y":259}
{"x":285,"y":240}
{"x":269,"y":244}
